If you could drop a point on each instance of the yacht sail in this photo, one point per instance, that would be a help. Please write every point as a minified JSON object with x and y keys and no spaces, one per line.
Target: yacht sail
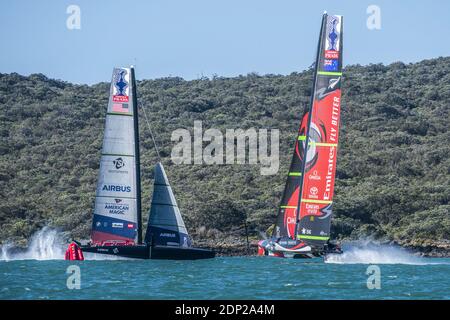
{"x":165,"y":225}
{"x":285,"y":226}
{"x":304,"y":215}
{"x":117,"y":202}
{"x":321,"y":138}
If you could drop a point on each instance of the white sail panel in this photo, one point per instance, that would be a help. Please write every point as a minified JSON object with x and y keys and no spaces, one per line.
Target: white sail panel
{"x":119,"y":135}
{"x":115,"y":215}
{"x":117,"y":177}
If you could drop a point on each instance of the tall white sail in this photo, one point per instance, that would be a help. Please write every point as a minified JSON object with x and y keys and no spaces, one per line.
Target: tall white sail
{"x":116,"y":216}
{"x":165,"y":226}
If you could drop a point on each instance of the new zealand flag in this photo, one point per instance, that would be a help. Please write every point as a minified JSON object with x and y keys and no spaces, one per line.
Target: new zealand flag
{"x":330,"y":64}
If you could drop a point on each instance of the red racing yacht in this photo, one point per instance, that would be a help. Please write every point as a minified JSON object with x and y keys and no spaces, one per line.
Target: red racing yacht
{"x":302,"y":228}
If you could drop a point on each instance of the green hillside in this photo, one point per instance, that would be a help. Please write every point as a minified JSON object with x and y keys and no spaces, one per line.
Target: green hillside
{"x":393,"y":171}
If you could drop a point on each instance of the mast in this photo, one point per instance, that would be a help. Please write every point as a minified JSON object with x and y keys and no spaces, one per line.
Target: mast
{"x":308,"y":125}
{"x":137,"y":158}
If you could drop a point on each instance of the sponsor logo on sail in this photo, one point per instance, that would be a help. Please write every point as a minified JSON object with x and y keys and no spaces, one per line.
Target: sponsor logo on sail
{"x":335,"y":118}
{"x":116,"y":188}
{"x":306,"y":231}
{"x":130,"y":225}
{"x":311,"y":208}
{"x":117,"y":225}
{"x":332,"y":40}
{"x":331,"y":54}
{"x":329,"y":177}
{"x":314,"y":176}
{"x":118,"y":207}
{"x":119,"y":163}
{"x":167,"y":235}
{"x":313,"y":191}
{"x":121,"y":87}
{"x":290,"y":220}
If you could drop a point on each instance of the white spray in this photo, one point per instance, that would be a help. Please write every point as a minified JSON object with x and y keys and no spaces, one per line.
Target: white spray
{"x":46,"y":244}
{"x":370,"y":253}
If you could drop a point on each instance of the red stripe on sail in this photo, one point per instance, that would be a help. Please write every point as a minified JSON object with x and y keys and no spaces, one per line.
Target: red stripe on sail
{"x":318,"y":183}
{"x":101,"y":238}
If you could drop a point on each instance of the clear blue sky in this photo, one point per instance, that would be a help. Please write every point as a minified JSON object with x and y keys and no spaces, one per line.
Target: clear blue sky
{"x":190,"y":38}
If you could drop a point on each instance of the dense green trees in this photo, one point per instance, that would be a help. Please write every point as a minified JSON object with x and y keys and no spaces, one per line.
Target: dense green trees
{"x":393,"y":173}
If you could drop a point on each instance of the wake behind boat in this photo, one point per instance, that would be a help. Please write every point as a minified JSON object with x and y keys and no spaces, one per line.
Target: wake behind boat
{"x":117,"y":221}
{"x":302,"y":229}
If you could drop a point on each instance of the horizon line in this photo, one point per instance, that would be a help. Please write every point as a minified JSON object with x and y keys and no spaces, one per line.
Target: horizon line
{"x":211,"y":77}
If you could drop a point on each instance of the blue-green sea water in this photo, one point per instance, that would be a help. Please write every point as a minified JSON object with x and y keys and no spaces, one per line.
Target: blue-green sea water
{"x":223,"y":278}
{"x":40,"y":273}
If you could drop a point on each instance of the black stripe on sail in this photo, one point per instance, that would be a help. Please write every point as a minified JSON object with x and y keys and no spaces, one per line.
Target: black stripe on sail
{"x":164,"y":204}
{"x":137,"y":157}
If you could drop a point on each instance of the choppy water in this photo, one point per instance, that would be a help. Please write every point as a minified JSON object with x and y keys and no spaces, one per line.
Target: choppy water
{"x":403,"y":276}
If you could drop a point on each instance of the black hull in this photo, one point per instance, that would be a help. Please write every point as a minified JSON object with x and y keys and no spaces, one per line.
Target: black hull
{"x":295,"y":249}
{"x":152,"y":252}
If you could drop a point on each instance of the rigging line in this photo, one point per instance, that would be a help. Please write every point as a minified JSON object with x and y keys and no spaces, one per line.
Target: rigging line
{"x":150,"y":129}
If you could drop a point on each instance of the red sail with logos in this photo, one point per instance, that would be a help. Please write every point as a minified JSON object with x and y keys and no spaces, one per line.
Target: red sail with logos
{"x":303,"y":224}
{"x":321,"y":139}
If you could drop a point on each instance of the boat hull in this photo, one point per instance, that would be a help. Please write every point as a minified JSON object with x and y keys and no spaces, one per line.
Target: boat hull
{"x":297,"y":251}
{"x":152,"y":252}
